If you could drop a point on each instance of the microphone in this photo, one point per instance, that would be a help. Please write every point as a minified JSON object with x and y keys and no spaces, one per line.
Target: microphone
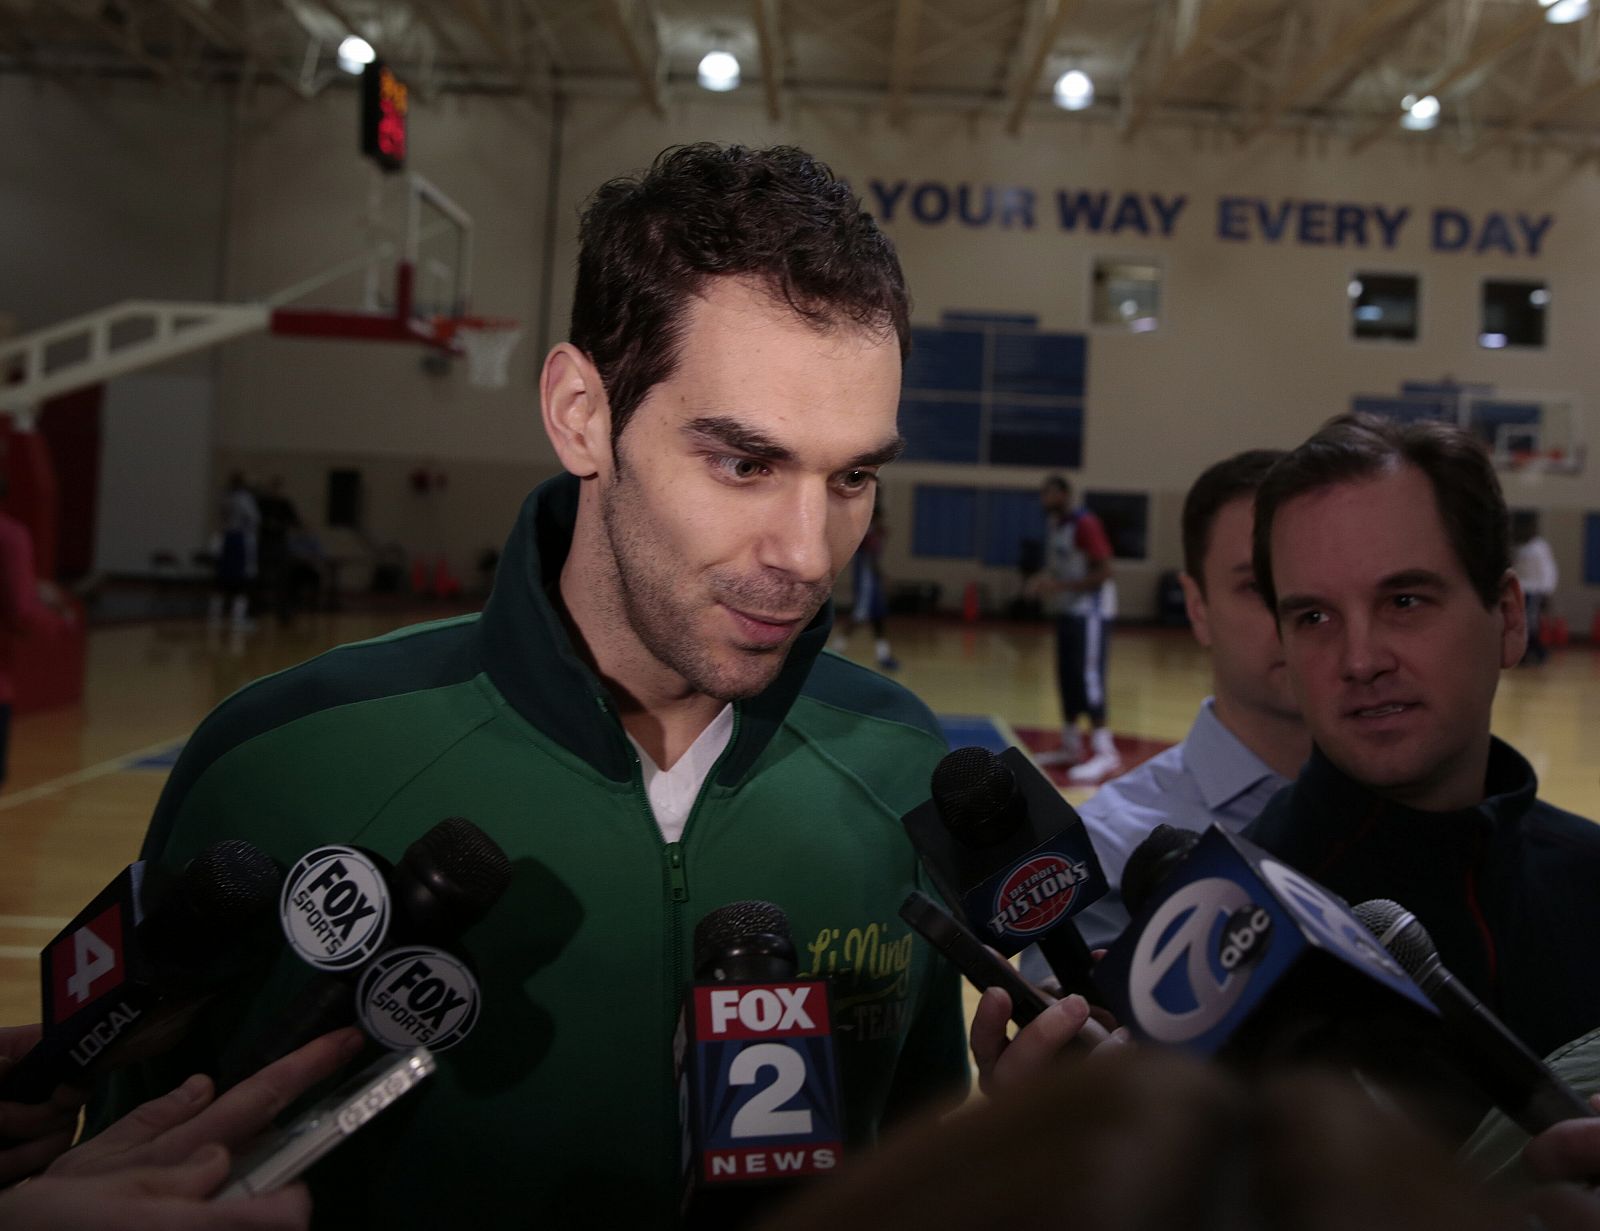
{"x":1232,"y":953}
{"x":1152,"y":861}
{"x":1519,"y":1082}
{"x":122,"y":981}
{"x":998,"y":839}
{"x":758,"y":1081}
{"x":372,"y":931}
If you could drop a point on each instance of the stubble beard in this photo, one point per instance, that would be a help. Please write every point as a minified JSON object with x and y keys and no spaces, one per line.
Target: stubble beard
{"x":667,"y":624}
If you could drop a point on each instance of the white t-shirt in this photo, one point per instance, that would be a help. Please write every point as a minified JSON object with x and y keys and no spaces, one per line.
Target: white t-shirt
{"x":672,"y":792}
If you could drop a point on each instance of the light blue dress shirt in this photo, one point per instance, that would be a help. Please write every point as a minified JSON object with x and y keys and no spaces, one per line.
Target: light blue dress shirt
{"x":1209,"y":778}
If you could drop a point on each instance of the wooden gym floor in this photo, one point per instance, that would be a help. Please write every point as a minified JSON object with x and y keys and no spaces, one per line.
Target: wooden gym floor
{"x":83,"y":780}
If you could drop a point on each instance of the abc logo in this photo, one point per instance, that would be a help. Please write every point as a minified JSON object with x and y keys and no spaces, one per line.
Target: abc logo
{"x":1245,"y":937}
{"x":418,"y":994}
{"x":335,"y":908}
{"x":1173,"y":955}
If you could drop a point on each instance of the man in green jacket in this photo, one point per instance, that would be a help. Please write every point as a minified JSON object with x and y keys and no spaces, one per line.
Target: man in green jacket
{"x":642,"y":716}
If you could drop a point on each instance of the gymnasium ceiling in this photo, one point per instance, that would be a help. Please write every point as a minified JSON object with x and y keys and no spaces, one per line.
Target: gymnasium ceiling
{"x":1336,"y":69}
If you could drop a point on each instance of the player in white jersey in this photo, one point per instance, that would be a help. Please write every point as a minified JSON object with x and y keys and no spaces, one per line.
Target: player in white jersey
{"x":1077,"y":582}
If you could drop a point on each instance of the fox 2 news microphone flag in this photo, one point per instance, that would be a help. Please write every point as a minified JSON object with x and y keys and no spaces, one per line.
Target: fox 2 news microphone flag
{"x":1229,"y":926}
{"x":758,"y":1082}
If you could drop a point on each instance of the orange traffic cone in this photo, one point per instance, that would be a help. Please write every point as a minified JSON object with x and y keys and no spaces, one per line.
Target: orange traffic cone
{"x":419,"y":576}
{"x":969,"y":603}
{"x":445,"y":584}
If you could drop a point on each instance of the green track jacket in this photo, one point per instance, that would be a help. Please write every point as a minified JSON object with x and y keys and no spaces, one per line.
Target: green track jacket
{"x":560,"y":1108}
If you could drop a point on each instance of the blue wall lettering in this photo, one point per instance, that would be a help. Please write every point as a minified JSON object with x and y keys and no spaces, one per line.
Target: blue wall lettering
{"x":1533,"y":230}
{"x":888,"y":196}
{"x":1091,"y":207}
{"x":1239,"y":219}
{"x":930,"y":202}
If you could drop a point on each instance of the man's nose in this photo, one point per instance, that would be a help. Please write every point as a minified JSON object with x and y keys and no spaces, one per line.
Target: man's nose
{"x":796,"y":534}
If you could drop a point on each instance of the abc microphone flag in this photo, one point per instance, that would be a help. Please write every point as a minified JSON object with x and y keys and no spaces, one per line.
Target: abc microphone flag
{"x":758,"y":1079}
{"x":1238,"y":953}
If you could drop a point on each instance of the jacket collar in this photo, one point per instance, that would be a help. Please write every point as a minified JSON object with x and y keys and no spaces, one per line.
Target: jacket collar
{"x":1333,"y":808}
{"x":1222,"y":767}
{"x":531,"y":660}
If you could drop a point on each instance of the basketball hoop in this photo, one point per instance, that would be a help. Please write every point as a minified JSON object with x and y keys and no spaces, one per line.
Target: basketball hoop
{"x":486,"y":341}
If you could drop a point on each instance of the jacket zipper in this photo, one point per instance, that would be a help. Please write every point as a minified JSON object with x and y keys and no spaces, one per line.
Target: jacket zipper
{"x":677,"y":875}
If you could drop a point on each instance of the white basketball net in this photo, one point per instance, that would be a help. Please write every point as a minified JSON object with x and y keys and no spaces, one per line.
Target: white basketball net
{"x":488,"y":346}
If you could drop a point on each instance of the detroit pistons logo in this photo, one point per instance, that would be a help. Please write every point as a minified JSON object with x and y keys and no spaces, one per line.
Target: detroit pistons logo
{"x":1036,"y":893}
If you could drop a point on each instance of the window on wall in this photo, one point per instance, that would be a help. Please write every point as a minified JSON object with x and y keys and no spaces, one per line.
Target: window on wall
{"x":1126,"y":517}
{"x":1383,"y":307}
{"x":1125,"y":294}
{"x":1513,"y":314}
{"x":994,"y":390}
{"x":944,"y":521}
{"x":1006,"y":527}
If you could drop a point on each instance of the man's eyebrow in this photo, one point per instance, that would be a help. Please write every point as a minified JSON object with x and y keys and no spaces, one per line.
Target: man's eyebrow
{"x":1413,"y":579}
{"x":738,"y":437}
{"x":881,"y":456}
{"x":1297,"y":602}
{"x":729,"y":433}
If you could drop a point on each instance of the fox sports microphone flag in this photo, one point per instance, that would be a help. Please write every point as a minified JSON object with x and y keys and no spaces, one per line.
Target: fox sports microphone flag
{"x":757,"y":1072}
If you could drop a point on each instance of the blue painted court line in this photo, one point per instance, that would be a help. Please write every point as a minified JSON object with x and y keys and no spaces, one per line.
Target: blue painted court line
{"x":974,"y":730}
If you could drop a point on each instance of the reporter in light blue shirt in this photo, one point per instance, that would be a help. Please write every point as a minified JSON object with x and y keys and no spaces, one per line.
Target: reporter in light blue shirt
{"x":1212,"y":777}
{"x":1247,"y":741}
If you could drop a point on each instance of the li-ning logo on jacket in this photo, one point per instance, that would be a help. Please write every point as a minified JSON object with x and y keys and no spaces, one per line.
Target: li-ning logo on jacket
{"x":1174,"y":1009}
{"x":870,"y":969}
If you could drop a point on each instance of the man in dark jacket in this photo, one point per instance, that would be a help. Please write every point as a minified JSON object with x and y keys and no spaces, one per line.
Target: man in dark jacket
{"x":1383,"y":550}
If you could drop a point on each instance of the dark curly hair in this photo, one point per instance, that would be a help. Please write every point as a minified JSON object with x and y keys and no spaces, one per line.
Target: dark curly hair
{"x":649,"y":242}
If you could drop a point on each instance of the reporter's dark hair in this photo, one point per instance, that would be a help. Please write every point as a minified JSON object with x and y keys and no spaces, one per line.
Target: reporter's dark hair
{"x":1147,"y":1140}
{"x":779,"y":216}
{"x":1355,"y":447}
{"x":1219,"y":484}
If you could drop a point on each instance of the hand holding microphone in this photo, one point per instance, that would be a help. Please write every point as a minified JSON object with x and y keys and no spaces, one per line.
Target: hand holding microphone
{"x":158,"y":1165}
{"x":1003,"y":1061}
{"x":126,"y":976}
{"x":39,"y":1131}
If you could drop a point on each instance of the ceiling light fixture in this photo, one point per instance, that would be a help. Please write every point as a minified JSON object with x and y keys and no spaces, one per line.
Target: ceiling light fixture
{"x":1074,"y":90}
{"x":719,"y":71}
{"x":1560,"y":12}
{"x":1420,"y":113}
{"x":355,"y":53}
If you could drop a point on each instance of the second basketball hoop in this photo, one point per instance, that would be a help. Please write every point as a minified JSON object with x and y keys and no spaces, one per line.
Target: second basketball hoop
{"x":487,"y":342}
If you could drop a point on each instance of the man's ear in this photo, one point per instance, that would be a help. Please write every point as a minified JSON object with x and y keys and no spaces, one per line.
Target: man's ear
{"x":577,"y":416}
{"x":1513,"y":608}
{"x":1194,"y":602}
